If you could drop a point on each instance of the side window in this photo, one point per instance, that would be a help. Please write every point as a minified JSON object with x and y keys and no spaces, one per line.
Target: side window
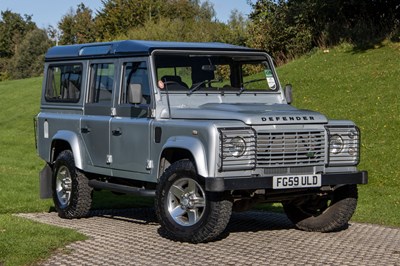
{"x":101,"y":83}
{"x":135,"y":73}
{"x":64,"y":83}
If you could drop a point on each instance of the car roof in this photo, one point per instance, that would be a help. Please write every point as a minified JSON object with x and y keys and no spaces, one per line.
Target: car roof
{"x":134,"y":48}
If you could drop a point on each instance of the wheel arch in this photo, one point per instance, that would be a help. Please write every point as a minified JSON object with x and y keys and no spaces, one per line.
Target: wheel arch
{"x":183,"y":147}
{"x":67,"y":140}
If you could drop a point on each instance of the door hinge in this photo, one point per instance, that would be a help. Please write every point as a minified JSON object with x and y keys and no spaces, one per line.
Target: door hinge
{"x":113,"y":111}
{"x":149,"y":164}
{"x":152,"y":113}
{"x":109,"y":159}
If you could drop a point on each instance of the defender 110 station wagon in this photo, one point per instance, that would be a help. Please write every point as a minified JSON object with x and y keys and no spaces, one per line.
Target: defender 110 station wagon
{"x":205,"y":128}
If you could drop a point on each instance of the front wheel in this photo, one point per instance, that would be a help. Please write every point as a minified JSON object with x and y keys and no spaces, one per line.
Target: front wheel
{"x":185,"y":210}
{"x":323,"y":213}
{"x":72,"y":194}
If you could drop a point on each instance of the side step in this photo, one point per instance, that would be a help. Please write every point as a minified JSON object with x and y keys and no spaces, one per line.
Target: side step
{"x":122,"y":188}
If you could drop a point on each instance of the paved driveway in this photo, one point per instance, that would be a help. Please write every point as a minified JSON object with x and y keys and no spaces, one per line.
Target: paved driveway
{"x":132,"y":237}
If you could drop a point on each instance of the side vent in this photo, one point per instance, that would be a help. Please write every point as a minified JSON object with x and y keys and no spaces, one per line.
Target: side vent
{"x":157,"y":135}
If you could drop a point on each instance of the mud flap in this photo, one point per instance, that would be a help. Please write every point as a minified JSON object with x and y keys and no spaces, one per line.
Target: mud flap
{"x":45,"y":177}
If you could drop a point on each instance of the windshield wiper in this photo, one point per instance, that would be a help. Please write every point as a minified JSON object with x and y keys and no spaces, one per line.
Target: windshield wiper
{"x":242,"y":88}
{"x":198,"y":85}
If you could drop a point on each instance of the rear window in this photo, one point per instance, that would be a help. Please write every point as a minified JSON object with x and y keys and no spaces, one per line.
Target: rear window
{"x":64,"y":83}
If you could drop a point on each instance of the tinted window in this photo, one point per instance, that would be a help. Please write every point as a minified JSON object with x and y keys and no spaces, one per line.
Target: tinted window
{"x":136,"y":74}
{"x":194,"y":72}
{"x":64,"y":83}
{"x":102,"y":83}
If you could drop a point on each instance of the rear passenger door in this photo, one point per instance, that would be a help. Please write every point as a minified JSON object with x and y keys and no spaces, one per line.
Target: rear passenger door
{"x":130,"y":128}
{"x":95,"y":124}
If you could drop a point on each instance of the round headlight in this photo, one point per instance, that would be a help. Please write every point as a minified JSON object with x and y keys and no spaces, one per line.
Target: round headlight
{"x":237,"y":147}
{"x":336,"y":144}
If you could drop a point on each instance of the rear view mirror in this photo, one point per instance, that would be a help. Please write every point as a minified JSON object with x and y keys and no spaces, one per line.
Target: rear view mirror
{"x":208,"y":68}
{"x":288,"y":93}
{"x":135,"y":93}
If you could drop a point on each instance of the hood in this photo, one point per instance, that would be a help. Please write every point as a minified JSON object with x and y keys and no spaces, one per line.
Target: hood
{"x":250,"y":114}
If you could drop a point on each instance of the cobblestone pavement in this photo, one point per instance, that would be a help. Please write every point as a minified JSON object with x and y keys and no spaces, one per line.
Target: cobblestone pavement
{"x":132,"y":237}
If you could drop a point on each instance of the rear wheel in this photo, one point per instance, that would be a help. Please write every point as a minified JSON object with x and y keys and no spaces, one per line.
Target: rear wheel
{"x":323,"y":213}
{"x":185,"y":210}
{"x":71,"y":191}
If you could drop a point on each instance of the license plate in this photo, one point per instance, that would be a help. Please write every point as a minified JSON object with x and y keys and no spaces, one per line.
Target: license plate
{"x":296,"y":181}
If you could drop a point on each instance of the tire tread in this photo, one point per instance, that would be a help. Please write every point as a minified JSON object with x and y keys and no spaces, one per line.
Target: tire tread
{"x":334,"y":218}
{"x":81,"y":195}
{"x":216,"y":222}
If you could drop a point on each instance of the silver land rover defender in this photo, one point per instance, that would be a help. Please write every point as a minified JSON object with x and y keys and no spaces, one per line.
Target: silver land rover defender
{"x":205,"y":128}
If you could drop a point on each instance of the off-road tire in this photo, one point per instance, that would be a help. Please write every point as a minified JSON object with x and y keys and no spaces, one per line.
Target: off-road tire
{"x":80,"y":198}
{"x":334,"y":217}
{"x":215,"y":215}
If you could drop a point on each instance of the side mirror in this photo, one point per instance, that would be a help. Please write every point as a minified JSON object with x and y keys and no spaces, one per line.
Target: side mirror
{"x":288,"y":93}
{"x":135,"y":93}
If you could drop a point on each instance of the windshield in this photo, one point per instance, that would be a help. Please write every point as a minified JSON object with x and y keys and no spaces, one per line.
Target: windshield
{"x":193,"y":73}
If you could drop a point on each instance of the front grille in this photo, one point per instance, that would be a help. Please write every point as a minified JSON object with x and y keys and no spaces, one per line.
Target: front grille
{"x":288,"y":149}
{"x":289,"y":170}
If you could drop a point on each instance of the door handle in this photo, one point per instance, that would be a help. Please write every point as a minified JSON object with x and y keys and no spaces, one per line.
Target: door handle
{"x":116,"y":132}
{"x":85,"y":130}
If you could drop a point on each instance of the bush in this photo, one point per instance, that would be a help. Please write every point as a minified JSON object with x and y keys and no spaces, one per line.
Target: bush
{"x":29,"y":56}
{"x":166,"y":29}
{"x":289,"y":28}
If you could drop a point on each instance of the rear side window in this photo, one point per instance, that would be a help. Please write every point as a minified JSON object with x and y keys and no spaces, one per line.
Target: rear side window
{"x":102,"y":83}
{"x":64,"y":83}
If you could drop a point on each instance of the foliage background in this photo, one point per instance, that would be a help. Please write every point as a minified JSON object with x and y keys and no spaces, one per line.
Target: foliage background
{"x":285,"y":28}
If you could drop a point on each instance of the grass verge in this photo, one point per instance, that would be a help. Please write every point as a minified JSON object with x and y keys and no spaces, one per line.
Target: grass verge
{"x":23,"y":241}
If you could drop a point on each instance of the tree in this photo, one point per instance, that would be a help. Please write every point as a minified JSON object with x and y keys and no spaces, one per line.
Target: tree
{"x":29,"y":55}
{"x":273,"y":30}
{"x":12,"y":29}
{"x":166,"y":29}
{"x":288,"y":28}
{"x":119,"y":16}
{"x":238,"y":26}
{"x":188,"y":10}
{"x":77,"y":26}
{"x":53,"y":34}
{"x":358,"y":22}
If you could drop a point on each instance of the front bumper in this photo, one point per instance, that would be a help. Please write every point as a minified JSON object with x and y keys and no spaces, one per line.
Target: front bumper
{"x":220,"y":184}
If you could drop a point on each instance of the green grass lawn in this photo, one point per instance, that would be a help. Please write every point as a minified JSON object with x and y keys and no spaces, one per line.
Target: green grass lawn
{"x":23,"y":241}
{"x":363,"y":86}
